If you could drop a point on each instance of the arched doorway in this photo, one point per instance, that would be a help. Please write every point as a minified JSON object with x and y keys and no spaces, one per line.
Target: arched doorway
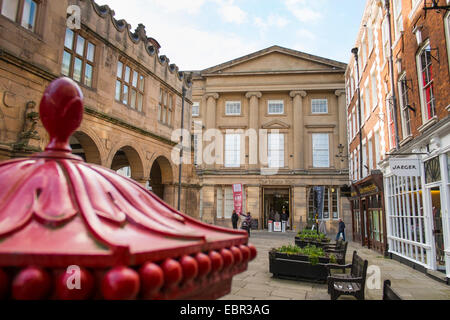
{"x":82,"y":145}
{"x":127,"y":162}
{"x":161,"y":179}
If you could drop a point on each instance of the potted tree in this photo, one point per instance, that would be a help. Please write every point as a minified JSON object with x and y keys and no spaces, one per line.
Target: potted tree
{"x":292,"y":262}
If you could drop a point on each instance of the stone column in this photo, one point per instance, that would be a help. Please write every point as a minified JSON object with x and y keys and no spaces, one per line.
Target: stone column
{"x":209,"y":210}
{"x":253,"y":124}
{"x":211,"y":120}
{"x":300,"y":218}
{"x":211,"y":106}
{"x":342,"y":125}
{"x":298,"y":129}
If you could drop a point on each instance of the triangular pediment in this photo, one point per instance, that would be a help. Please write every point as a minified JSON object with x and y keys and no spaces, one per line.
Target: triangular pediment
{"x":276,"y":59}
{"x":275,"y":124}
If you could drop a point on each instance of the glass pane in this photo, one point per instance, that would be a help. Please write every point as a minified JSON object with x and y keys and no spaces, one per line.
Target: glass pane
{"x":141,"y":83}
{"x":68,"y":42}
{"x":80,"y":45}
{"x":119,"y":69}
{"x":9,"y":9}
{"x":77,"y":70}
{"x":118,"y":89}
{"x":67,"y":58}
{"x":164,"y":111}
{"x":169,"y":117}
{"x":90,"y":52}
{"x":159,"y":112}
{"x":127,"y":74}
{"x":135,"y":79}
{"x":29,"y":14}
{"x":125,"y":94}
{"x":88,"y":75}
{"x":133,"y":99}
{"x":140,"y":99}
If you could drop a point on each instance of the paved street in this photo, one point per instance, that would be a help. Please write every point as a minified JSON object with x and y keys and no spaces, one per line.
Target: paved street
{"x":257,"y":283}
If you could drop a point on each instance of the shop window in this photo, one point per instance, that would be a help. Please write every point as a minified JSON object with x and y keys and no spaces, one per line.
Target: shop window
{"x":165,"y":107}
{"x":432,"y":170}
{"x":23,"y":12}
{"x":330,"y":200}
{"x":426,"y":82}
{"x":233,"y":108}
{"x":275,"y":107}
{"x":78,"y":58}
{"x":129,"y":86}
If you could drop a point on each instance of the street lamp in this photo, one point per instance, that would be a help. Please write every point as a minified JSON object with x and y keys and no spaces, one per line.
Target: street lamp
{"x":341,"y":152}
{"x":358,"y":91}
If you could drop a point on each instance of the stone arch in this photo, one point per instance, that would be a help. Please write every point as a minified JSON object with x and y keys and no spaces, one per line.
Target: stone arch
{"x":161,"y":179}
{"x":84,"y":145}
{"x":127,"y":156}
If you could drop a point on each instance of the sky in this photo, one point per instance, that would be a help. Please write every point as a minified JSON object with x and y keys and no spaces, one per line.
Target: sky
{"x":198,"y":34}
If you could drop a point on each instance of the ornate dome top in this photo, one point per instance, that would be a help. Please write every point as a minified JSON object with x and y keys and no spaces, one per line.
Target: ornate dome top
{"x":57,"y":211}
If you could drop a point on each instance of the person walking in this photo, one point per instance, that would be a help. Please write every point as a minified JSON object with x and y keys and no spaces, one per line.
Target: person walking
{"x":341,"y":230}
{"x":234,"y":219}
{"x":247,"y":223}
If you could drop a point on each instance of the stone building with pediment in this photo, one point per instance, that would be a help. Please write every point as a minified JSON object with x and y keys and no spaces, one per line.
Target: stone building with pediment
{"x":274,"y":121}
{"x":132,"y":94}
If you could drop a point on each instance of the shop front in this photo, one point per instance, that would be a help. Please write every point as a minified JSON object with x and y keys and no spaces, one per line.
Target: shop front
{"x":368,"y":214}
{"x":276,"y":206}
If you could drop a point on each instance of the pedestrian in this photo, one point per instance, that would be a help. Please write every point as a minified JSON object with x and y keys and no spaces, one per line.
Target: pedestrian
{"x":247,"y":223}
{"x":341,"y":230}
{"x":277,"y":217}
{"x":234,"y":219}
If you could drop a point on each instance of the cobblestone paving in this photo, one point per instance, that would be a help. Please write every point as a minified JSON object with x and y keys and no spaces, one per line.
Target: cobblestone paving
{"x":258,"y":284}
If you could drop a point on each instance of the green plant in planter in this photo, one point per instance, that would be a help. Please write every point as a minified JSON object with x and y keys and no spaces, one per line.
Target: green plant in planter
{"x":311,"y":235}
{"x":312,"y":252}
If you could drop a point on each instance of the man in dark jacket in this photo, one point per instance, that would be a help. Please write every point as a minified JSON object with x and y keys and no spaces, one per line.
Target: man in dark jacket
{"x":341,"y":230}
{"x":234,"y":219}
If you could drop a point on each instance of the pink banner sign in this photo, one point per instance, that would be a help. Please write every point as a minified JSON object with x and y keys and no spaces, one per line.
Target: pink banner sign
{"x":237,"y":197}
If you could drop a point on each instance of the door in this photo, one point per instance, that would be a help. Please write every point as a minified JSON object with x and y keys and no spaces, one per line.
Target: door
{"x":437,"y":228}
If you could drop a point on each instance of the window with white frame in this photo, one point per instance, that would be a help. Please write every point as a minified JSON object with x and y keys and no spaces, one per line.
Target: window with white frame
{"x":233,"y":108}
{"x":228,"y":203}
{"x":23,"y":12}
{"x":426,"y":83}
{"x":398,"y":18}
{"x":275,"y":107}
{"x":321,"y":150}
{"x":374,"y":89}
{"x":377,"y":148}
{"x":403,"y":97}
{"x":232,"y":150}
{"x":363,"y":109}
{"x":275,"y":152}
{"x":354,"y":124}
{"x":405,"y":217}
{"x":195,"y":109}
{"x":330,"y":203}
{"x":364,"y":50}
{"x":319,"y":106}
{"x":219,"y":202}
{"x":370,"y":38}
{"x":364,"y":156}
{"x":390,"y":109}
{"x":385,"y":38}
{"x":370,"y":162}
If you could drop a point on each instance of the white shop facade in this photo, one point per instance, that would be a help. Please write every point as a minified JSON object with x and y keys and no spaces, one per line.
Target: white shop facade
{"x":417,"y":202}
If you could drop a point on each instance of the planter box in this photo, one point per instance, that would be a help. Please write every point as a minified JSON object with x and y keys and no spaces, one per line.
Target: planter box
{"x":304,"y":243}
{"x":297,"y":267}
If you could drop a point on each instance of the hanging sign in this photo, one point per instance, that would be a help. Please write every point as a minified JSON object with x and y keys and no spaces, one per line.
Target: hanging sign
{"x":319,"y":192}
{"x":237,"y":197}
{"x":404,"y":167}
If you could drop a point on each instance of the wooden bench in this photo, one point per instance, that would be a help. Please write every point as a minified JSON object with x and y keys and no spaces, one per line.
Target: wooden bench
{"x":352,"y":284}
{"x":339,"y":249}
{"x":388,"y":292}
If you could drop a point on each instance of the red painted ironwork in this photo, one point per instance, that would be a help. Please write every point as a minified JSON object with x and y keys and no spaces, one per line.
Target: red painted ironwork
{"x":57,"y":211}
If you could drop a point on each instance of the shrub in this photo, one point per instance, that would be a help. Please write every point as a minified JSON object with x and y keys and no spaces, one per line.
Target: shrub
{"x":312,"y":252}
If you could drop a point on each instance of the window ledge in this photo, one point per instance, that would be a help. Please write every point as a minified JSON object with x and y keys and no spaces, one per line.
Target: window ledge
{"x":448,"y":108}
{"x":406,"y":140}
{"x":428,"y":124}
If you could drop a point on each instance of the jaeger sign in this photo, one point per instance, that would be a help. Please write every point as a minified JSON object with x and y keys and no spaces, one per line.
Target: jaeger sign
{"x":404,"y":167}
